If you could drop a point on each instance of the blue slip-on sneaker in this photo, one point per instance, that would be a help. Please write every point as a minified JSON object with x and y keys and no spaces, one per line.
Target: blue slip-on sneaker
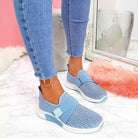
{"x":88,"y":88}
{"x":69,"y":114}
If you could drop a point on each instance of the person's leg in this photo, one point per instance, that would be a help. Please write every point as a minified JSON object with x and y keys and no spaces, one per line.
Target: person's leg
{"x":75,"y":16}
{"x":35,"y":23}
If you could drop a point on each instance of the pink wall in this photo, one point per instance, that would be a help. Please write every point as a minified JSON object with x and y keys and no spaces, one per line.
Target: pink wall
{"x":107,"y":4}
{"x":56,"y":3}
{"x":9,"y":31}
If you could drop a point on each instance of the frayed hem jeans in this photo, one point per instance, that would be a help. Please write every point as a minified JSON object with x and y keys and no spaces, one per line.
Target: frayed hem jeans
{"x":34,"y":18}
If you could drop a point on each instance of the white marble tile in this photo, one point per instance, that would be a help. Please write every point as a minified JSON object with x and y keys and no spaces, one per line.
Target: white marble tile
{"x":18,"y":103}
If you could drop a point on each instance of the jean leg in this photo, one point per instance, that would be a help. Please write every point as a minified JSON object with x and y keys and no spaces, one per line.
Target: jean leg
{"x":75,"y":16}
{"x":34,"y":18}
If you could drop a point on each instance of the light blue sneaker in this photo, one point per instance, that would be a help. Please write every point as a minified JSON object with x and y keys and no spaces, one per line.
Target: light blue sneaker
{"x":69,"y":114}
{"x":88,"y":88}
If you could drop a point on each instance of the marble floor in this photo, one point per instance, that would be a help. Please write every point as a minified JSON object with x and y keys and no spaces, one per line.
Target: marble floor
{"x":19,"y":99}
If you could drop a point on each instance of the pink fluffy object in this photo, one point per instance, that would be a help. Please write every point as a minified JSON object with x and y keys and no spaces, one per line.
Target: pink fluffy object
{"x":116,"y":80}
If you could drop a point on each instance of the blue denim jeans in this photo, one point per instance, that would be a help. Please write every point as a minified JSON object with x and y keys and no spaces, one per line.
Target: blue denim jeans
{"x":34,"y":18}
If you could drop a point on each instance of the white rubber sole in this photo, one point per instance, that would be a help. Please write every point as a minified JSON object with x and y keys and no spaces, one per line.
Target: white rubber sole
{"x":43,"y":115}
{"x":74,"y":87}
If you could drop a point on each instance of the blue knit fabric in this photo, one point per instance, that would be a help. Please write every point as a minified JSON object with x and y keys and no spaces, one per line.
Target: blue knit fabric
{"x":81,"y":117}
{"x":84,"y":118}
{"x":90,"y":88}
{"x":93,"y":90}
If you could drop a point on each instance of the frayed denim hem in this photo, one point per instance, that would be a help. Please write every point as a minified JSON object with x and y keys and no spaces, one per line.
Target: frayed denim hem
{"x":45,"y":76}
{"x":74,"y":55}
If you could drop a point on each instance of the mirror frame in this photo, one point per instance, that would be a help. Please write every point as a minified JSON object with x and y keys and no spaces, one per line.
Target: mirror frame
{"x":93,"y":54}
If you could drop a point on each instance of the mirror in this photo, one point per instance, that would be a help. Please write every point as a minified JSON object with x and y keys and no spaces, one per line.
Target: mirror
{"x":117,"y":28}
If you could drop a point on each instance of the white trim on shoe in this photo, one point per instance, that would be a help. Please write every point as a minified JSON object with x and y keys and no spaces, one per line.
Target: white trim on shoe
{"x":76,"y":88}
{"x":42,"y":114}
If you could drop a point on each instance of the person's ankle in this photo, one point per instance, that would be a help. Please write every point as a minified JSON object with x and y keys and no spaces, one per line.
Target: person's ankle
{"x":75,"y":65}
{"x":51,"y":89}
